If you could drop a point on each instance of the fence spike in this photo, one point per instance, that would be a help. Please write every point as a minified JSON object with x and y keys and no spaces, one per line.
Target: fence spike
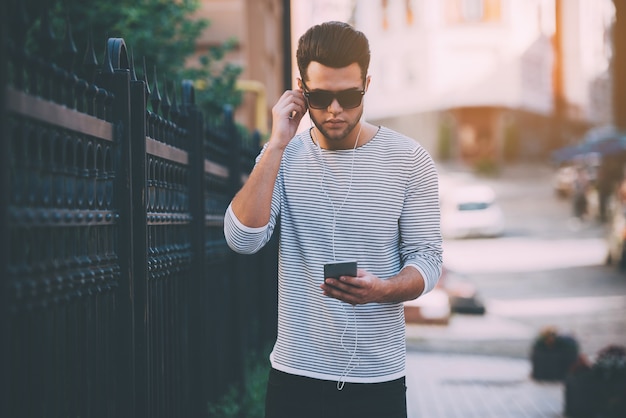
{"x":133,"y":74}
{"x":19,"y":25}
{"x":145,"y":80}
{"x":18,"y":22}
{"x":188,"y":93}
{"x":175,"y":111}
{"x":118,"y":56}
{"x":90,"y":62}
{"x":69,"y":47}
{"x":166,"y":105}
{"x":107,"y":66}
{"x":156,"y":95}
{"x":46,"y":36}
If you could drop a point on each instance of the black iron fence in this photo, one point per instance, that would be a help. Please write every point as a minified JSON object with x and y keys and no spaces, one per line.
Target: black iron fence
{"x":120,"y":297}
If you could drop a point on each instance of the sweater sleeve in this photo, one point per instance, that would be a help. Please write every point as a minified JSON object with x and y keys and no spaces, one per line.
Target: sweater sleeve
{"x":420,"y":226}
{"x":244,"y":239}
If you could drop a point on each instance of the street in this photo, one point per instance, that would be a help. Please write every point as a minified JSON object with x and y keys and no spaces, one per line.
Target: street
{"x":544,"y":271}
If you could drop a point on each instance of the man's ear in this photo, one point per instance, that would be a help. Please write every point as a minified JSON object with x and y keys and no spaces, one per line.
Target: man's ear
{"x":367,"y":82}
{"x":299,"y":83}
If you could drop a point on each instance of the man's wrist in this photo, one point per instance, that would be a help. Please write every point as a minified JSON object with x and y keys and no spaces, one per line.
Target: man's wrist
{"x":276,"y":143}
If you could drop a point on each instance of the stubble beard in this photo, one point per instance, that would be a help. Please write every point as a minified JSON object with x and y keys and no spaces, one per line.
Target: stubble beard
{"x":335,"y":137}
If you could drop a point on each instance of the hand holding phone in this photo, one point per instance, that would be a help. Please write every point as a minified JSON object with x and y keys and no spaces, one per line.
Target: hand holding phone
{"x":337,"y":269}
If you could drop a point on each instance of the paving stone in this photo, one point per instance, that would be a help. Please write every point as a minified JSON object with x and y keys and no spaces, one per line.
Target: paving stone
{"x":467,"y":386}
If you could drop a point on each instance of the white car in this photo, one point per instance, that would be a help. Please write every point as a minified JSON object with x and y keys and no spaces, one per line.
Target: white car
{"x":471,"y":211}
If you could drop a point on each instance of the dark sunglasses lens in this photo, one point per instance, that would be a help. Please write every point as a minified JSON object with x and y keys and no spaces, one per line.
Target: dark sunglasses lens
{"x":320,"y":99}
{"x":347,"y":99}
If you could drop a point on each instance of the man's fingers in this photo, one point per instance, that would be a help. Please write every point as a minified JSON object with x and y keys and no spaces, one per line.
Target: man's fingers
{"x":292,"y":104}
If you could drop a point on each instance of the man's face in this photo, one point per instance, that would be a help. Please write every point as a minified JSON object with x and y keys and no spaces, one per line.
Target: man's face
{"x":334,"y":122}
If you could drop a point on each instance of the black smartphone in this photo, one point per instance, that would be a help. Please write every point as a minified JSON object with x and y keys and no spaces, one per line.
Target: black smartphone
{"x":335,"y":269}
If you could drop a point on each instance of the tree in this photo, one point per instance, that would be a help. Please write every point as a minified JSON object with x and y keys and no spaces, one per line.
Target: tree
{"x":163,"y":32}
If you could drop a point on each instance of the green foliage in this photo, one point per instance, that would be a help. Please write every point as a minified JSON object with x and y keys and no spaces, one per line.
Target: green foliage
{"x":215,"y":89}
{"x":247,"y":400}
{"x":611,"y":363}
{"x":228,"y":406}
{"x":163,"y":32}
{"x":255,"y":389}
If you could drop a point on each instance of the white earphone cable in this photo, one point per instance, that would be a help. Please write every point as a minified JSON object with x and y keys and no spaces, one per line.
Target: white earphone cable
{"x":345,"y":199}
{"x":350,"y":366}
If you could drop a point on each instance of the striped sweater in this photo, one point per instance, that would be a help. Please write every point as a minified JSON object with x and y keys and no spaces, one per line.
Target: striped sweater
{"x":377,"y":204}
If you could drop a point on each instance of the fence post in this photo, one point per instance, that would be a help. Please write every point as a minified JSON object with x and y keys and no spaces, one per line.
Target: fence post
{"x":237,"y":269}
{"x":193,"y":122}
{"x":234,"y":150}
{"x":4,"y":233}
{"x":115,"y":77}
{"x":138,"y":103}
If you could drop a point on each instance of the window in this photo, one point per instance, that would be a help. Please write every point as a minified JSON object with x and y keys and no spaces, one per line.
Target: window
{"x":408,"y":12}
{"x":385,"y":4}
{"x":473,"y":11}
{"x":397,"y":12}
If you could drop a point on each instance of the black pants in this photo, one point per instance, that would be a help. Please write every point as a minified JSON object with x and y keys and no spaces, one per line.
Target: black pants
{"x":290,"y":396}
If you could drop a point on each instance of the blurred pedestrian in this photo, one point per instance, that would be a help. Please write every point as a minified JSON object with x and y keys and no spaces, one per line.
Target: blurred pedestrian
{"x":581,"y":187}
{"x":608,"y":177}
{"x":344,"y":190}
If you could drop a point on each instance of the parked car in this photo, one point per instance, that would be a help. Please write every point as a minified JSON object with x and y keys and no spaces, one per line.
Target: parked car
{"x":454,"y":293}
{"x":471,"y":211}
{"x":462,"y":293}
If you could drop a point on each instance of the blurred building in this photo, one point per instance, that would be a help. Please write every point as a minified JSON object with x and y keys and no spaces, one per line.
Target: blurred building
{"x":472,"y":80}
{"x":261,"y":36}
{"x":481,"y":80}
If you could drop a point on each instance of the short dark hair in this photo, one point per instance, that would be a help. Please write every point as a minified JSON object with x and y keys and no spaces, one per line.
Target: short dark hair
{"x":333,"y":44}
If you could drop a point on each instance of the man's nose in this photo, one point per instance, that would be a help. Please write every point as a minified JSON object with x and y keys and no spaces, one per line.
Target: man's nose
{"x":334,"y":106}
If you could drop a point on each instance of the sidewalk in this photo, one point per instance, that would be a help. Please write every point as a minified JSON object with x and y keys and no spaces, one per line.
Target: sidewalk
{"x":475,"y":367}
{"x":465,"y":386}
{"x":478,"y":366}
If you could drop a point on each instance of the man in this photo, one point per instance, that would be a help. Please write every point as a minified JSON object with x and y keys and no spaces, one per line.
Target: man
{"x":344,"y":190}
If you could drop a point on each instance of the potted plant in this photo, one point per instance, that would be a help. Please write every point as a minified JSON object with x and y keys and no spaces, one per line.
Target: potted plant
{"x":552,"y":355}
{"x":580,"y":390}
{"x":609,"y":372}
{"x":598,"y":389}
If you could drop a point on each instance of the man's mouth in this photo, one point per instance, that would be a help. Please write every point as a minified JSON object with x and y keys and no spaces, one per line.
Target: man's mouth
{"x":333,"y":123}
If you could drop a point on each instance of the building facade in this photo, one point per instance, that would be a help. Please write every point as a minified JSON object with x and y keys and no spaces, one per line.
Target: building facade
{"x":472,"y":80}
{"x":481,"y":80}
{"x":261,"y":39}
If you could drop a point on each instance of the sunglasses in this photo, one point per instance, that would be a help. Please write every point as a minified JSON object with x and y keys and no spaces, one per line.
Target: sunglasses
{"x":321,"y":99}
